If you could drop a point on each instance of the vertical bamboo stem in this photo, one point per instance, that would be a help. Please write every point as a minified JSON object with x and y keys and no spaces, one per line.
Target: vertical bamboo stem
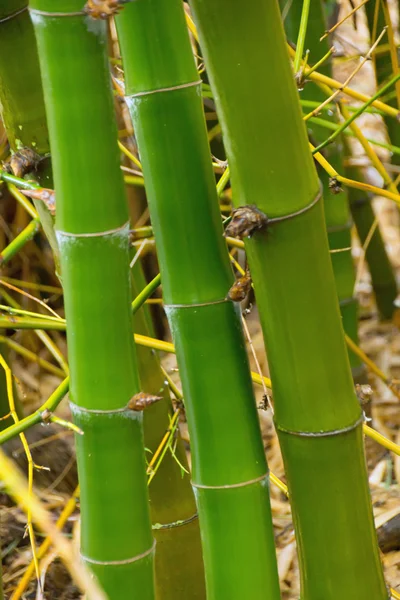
{"x":317,"y":414}
{"x":93,"y":236}
{"x":229,"y":468}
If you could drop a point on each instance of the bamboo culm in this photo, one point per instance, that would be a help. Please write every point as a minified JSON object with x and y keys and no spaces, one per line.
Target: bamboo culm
{"x":228,"y":463}
{"x":317,"y":414}
{"x":93,"y":236}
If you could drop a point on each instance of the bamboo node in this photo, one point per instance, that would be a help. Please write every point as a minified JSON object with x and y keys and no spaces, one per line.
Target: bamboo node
{"x":125,"y":561}
{"x":94,"y":234}
{"x":141,"y":401}
{"x":248,"y":219}
{"x":14,"y":14}
{"x":319,"y":434}
{"x":172,"y":88}
{"x":347,"y":301}
{"x":172,"y":306}
{"x":96,"y":411}
{"x":180,"y":523}
{"x":232,"y":485}
{"x":46,"y":13}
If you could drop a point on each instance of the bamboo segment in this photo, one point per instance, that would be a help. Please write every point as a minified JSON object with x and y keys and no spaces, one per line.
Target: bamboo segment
{"x":92,"y":232}
{"x":337,"y":213}
{"x":21,"y":97}
{"x":317,"y":414}
{"x":229,"y":469}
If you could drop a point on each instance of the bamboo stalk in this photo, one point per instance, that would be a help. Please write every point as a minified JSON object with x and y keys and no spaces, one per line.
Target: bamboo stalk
{"x":317,"y":415}
{"x":337,"y":212}
{"x":93,"y":232}
{"x":21,"y":97}
{"x":229,"y":469}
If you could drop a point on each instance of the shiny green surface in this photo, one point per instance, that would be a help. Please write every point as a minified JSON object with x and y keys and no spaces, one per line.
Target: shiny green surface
{"x":208,"y":393}
{"x":90,"y":199}
{"x":340,"y":570}
{"x":98,"y":315}
{"x":180,"y":133}
{"x":258,"y":105}
{"x":21,"y":98}
{"x":309,"y":366}
{"x":196,"y":276}
{"x":89,"y":145}
{"x":240,"y":512}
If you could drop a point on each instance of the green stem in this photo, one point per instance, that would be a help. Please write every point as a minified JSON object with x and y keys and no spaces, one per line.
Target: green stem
{"x":317,"y":414}
{"x":229,"y":469}
{"x":36,"y":417}
{"x":93,"y":236}
{"x":302,"y":35}
{"x":356,"y":114}
{"x":19,"y":242}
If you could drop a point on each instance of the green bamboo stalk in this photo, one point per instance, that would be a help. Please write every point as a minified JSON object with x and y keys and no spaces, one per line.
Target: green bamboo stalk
{"x":178,"y":558}
{"x":337,"y":212}
{"x":317,"y":414}
{"x":21,"y":97}
{"x":229,"y":469}
{"x":93,"y":236}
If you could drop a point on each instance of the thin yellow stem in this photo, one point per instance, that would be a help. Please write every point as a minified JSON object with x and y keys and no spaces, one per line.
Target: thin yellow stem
{"x":29,"y":571}
{"x":392,"y":45}
{"x":360,"y":65}
{"x":129,"y":154}
{"x":332,"y":83}
{"x":16,"y":484}
{"x":350,"y":14}
{"x":14,"y":415}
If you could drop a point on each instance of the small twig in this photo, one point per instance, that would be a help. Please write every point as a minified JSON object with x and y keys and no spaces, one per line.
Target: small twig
{"x":314,"y":112}
{"x":350,"y":14}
